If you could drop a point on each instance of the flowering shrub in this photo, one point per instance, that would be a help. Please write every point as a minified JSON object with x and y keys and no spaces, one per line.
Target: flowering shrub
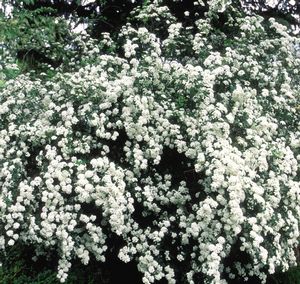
{"x":186,"y":147}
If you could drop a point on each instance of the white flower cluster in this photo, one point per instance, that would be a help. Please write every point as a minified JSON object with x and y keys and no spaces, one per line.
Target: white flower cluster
{"x":186,"y":160}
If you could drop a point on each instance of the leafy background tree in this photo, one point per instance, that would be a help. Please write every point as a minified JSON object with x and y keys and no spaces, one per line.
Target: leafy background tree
{"x":38,"y":32}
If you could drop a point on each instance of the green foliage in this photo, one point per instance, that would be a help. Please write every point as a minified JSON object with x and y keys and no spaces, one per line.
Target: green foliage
{"x":292,"y":276}
{"x":15,"y":270}
{"x":36,"y":39}
{"x":19,"y":268}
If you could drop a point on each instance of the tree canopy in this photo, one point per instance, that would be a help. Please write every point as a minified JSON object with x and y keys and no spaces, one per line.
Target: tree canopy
{"x":40,"y":31}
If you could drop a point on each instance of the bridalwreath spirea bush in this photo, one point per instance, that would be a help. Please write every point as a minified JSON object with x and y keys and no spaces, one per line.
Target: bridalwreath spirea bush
{"x":185,"y":147}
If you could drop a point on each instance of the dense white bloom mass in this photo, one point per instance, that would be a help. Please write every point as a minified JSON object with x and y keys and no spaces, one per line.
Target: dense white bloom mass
{"x":188,"y":148}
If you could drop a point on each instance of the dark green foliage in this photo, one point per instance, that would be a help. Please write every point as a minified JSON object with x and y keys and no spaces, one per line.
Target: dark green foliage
{"x":290,"y":277}
{"x":19,"y":268}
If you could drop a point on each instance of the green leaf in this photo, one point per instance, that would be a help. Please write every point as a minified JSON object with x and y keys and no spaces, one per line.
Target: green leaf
{"x":2,"y":84}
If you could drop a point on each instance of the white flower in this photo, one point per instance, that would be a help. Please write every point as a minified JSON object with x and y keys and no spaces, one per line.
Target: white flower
{"x":11,"y":242}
